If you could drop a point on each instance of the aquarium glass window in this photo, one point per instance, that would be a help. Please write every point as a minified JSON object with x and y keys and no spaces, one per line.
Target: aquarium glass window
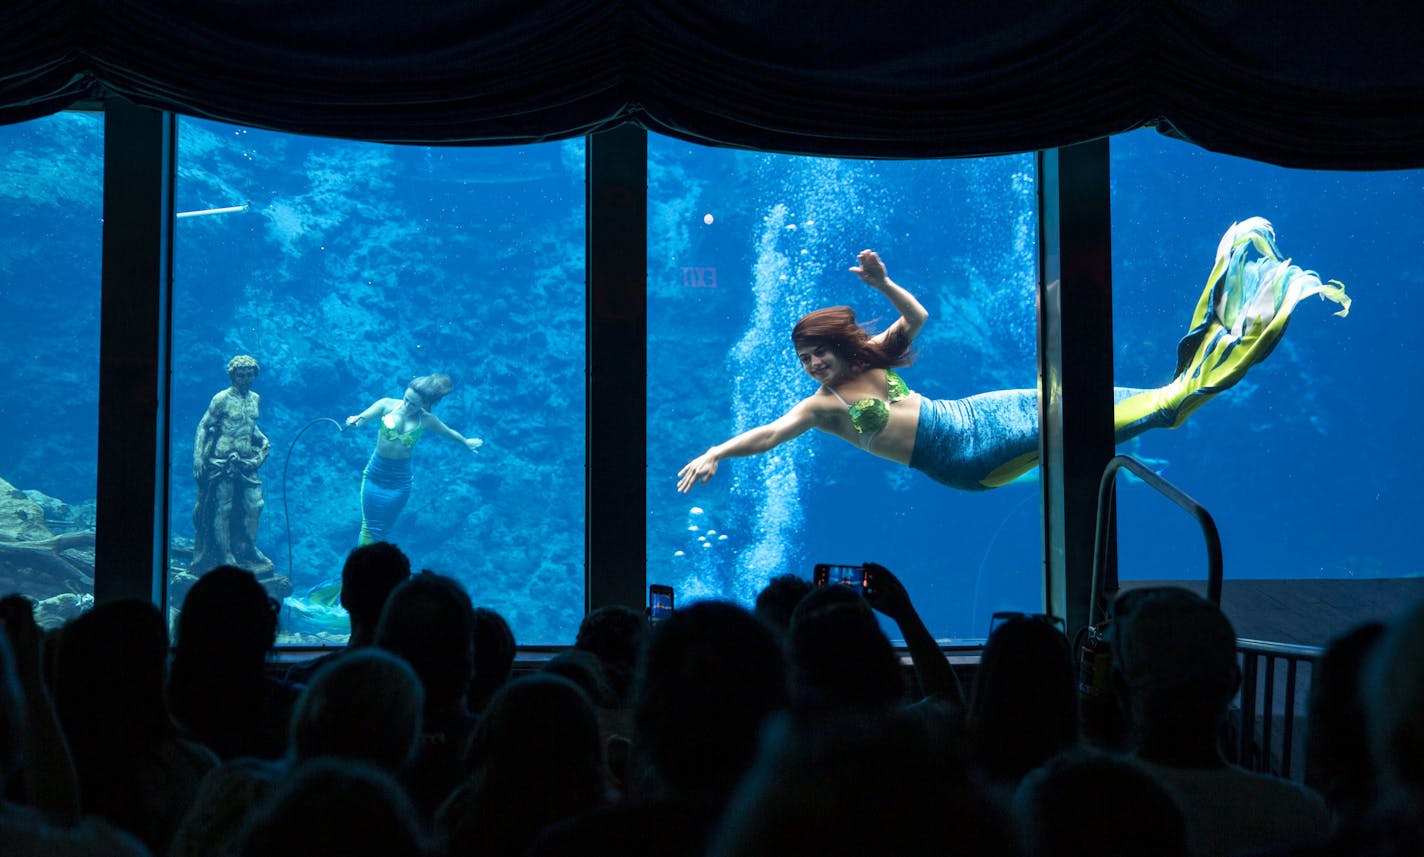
{"x":51,"y":186}
{"x":1307,"y":463}
{"x":346,"y":271}
{"x":741,"y":245}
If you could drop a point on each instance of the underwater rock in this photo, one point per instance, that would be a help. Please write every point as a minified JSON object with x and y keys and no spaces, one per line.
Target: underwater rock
{"x":21,"y":518}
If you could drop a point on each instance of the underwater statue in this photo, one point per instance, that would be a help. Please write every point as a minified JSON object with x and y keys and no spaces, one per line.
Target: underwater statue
{"x":227,"y":453}
{"x":990,"y":439}
{"x":388,"y":477}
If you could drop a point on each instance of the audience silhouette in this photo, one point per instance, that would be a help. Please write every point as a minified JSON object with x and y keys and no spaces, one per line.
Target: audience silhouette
{"x":368,"y":576}
{"x":1174,"y":666}
{"x":430,"y":622}
{"x":1087,"y":802}
{"x":494,"y":657}
{"x":1023,"y":709}
{"x":708,"y":678}
{"x":364,"y":706}
{"x":133,"y":769}
{"x":536,"y":760}
{"x":218,"y":686}
{"x":776,"y":601}
{"x":730,"y":739}
{"x":39,"y":823}
{"x":332,"y":805}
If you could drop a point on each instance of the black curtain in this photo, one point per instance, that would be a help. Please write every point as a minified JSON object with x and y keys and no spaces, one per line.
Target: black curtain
{"x":1310,"y":83}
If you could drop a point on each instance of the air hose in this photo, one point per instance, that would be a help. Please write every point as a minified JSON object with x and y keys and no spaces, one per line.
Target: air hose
{"x":286,"y":516}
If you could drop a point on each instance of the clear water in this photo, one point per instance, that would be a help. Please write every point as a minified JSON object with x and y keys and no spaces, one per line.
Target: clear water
{"x":354,"y":267}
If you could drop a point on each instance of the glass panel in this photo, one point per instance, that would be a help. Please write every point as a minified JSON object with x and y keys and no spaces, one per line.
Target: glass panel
{"x":346,"y":270}
{"x":741,"y":244}
{"x":1307,"y":463}
{"x":51,"y":187}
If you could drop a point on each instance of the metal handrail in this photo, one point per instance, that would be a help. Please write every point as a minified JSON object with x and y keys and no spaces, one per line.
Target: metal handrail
{"x":1107,"y":490}
{"x":1254,"y":748}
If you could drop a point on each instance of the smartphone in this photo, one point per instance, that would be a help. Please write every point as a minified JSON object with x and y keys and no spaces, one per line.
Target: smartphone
{"x":659,"y":602}
{"x":853,"y":576}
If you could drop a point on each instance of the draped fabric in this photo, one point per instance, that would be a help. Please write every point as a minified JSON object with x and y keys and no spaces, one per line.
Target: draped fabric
{"x":1310,"y":83}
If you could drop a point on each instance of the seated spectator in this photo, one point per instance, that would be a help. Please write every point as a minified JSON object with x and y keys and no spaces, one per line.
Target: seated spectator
{"x":709,"y":677}
{"x":1393,"y":694}
{"x":26,"y":829}
{"x":1023,"y":710}
{"x":859,"y":783}
{"x":586,"y":670}
{"x":41,"y":773}
{"x":1338,"y":761}
{"x":538,"y":762}
{"x":109,"y":677}
{"x":1174,"y":666}
{"x":838,"y":657}
{"x":430,"y":622}
{"x":364,"y":706}
{"x":218,"y":687}
{"x":614,"y":634}
{"x":494,"y":658}
{"x":1086,"y":802}
{"x":369,"y":574}
{"x":778,"y":599}
{"x":332,"y":805}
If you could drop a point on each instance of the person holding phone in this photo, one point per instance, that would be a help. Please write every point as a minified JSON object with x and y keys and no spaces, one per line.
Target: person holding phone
{"x":387,"y":480}
{"x":990,"y":439}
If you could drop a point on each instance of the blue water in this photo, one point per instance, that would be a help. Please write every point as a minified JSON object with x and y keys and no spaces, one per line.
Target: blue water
{"x":355,"y":267}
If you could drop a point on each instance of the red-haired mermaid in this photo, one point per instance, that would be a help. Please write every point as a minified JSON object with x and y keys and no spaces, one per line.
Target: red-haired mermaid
{"x":990,"y":439}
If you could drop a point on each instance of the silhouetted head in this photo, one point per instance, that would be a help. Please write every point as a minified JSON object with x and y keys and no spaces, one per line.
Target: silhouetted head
{"x":12,"y":715}
{"x":615,"y":635}
{"x":1093,"y":803}
{"x":776,"y":601}
{"x":363,"y":705}
{"x":109,"y":674}
{"x":368,"y":577}
{"x":708,"y":678}
{"x":429,"y":621}
{"x":1174,"y":656}
{"x":1024,"y":707}
{"x":838,"y":656}
{"x":335,"y":806}
{"x":535,"y":759}
{"x":494,"y":657}
{"x":539,"y":728}
{"x":1393,"y":693}
{"x":859,"y":783}
{"x":587,"y":671}
{"x":1339,"y":763}
{"x":227,"y":622}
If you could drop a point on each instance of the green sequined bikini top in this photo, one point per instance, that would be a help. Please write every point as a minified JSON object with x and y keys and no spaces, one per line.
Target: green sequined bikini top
{"x":869,"y":415}
{"x":387,"y":431}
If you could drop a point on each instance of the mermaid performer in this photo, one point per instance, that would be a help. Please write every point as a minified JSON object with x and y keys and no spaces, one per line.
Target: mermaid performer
{"x":387,"y":479}
{"x":990,"y":439}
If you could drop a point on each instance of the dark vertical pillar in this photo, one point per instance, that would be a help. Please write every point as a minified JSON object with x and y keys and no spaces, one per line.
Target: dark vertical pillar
{"x":1075,"y":365}
{"x":131,"y":542}
{"x":616,"y":477}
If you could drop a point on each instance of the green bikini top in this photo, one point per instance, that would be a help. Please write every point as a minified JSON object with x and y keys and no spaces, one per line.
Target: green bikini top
{"x":870,"y":415}
{"x":387,"y":431}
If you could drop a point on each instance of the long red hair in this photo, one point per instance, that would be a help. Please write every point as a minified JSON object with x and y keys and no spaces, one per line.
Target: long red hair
{"x":836,"y":326}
